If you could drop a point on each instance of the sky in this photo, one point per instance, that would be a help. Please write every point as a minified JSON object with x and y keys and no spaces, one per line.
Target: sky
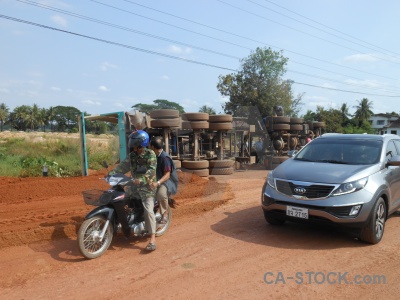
{"x":104,"y":56}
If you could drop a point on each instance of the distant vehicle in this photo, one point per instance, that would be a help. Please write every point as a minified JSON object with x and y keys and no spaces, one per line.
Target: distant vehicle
{"x":350,"y":180}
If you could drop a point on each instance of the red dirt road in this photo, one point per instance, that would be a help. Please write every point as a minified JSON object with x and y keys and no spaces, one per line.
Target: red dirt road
{"x":221,"y":249}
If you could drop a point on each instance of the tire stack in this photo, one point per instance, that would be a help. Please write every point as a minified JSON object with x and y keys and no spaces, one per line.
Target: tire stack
{"x":315,"y":127}
{"x":200,"y":167}
{"x":221,"y":167}
{"x":279,"y":123}
{"x":165,"y":118}
{"x":296,"y":127}
{"x":195,"y":121}
{"x":221,"y":123}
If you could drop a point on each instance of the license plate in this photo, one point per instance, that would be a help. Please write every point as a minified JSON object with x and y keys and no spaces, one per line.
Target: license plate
{"x":297,"y":212}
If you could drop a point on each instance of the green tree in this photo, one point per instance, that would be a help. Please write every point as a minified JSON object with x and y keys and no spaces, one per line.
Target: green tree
{"x":42,"y":118}
{"x":259,"y":84}
{"x":32,"y":116}
{"x":310,"y":116}
{"x":158,"y":104}
{"x":4,"y":112}
{"x":363,"y":111}
{"x":19,"y":117}
{"x":50,"y":117}
{"x":332,"y":118}
{"x":207,"y":109}
{"x":66,"y":118}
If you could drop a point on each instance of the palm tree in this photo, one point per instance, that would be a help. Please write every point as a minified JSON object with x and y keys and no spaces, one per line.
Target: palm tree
{"x":42,"y":118}
{"x":32,"y":116}
{"x":4,"y":111}
{"x":344,"y":111}
{"x":363,"y":111}
{"x":50,"y":115}
{"x":207,"y":109}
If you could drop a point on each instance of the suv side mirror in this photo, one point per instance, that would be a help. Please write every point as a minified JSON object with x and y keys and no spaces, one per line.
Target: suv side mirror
{"x":394,"y":161}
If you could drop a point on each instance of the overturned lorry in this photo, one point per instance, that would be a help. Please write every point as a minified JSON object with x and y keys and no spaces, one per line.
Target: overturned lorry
{"x":283,"y":134}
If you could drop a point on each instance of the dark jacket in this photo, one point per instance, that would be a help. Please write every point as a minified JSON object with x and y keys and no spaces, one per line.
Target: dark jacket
{"x":172,"y":182}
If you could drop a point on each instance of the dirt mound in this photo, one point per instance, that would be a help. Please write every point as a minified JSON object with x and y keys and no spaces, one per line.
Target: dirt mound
{"x":44,"y":208}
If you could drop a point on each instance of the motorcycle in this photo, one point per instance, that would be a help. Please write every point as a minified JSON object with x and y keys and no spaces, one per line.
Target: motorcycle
{"x":115,"y":213}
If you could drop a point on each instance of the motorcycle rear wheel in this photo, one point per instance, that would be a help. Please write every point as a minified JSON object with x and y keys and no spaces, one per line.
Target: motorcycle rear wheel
{"x":89,"y":243}
{"x":162,"y":228}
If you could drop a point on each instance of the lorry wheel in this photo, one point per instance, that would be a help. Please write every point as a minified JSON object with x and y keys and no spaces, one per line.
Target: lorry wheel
{"x":164,"y":114}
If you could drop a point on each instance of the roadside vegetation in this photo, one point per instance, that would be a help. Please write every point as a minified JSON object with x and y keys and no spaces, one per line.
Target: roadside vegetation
{"x":26,"y":154}
{"x":252,"y":92}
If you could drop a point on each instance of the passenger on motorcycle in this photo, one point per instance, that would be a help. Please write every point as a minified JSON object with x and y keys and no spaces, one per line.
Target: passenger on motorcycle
{"x":167,"y":179}
{"x":142,"y":162}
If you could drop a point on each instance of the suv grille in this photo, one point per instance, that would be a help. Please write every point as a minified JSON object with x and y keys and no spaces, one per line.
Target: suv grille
{"x":310,"y":191}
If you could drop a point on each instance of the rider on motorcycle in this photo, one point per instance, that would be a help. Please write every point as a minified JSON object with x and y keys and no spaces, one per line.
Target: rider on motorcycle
{"x":167,"y":178}
{"x":142,"y":162}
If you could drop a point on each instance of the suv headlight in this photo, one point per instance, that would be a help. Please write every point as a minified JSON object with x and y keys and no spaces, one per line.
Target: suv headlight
{"x":271,"y":180}
{"x":350,"y":187}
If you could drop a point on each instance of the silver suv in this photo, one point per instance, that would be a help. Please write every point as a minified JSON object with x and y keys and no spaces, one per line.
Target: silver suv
{"x":350,"y":180}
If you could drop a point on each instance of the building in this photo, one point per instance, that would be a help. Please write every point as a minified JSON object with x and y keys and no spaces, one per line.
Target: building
{"x":385,"y":123}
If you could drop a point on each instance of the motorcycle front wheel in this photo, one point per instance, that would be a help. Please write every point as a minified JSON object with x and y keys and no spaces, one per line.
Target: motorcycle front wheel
{"x":89,"y":241}
{"x":162,"y":228}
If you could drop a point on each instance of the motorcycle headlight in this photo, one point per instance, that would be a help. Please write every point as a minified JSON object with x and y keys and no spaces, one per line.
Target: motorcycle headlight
{"x":350,"y":187}
{"x":271,"y":180}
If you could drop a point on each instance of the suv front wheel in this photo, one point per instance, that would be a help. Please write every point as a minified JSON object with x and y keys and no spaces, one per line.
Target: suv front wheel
{"x":373,"y":231}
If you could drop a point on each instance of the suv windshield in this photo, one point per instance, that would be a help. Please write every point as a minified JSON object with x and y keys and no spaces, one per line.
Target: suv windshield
{"x":342,"y":151}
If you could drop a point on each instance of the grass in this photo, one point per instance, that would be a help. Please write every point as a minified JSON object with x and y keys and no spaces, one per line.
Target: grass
{"x":24,"y":155}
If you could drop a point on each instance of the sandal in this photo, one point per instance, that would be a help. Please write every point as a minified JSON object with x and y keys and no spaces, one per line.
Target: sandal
{"x":164,"y":220}
{"x":151,"y":247}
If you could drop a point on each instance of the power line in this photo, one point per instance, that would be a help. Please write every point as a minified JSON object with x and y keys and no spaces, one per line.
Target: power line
{"x":161,"y":54}
{"x":233,"y":34}
{"x":115,"y":43}
{"x":333,"y":29}
{"x":345,"y":83}
{"x":319,"y":29}
{"x":303,"y":32}
{"x":169,"y":40}
{"x":122,"y":27}
{"x":354,"y":92}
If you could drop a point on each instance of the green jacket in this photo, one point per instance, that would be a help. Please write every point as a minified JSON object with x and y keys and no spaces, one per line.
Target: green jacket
{"x":142,"y":167}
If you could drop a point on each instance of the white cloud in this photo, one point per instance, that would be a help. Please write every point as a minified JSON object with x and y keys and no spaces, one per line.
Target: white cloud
{"x":190,"y":105}
{"x":56,"y":89}
{"x":165,"y":77}
{"x":328,"y":85}
{"x":119,"y":105}
{"x":104,"y":88}
{"x":4,"y":91}
{"x":366,"y":83}
{"x":105,"y":66}
{"x":311,"y":102}
{"x":361,"y":58}
{"x":59,"y":20}
{"x":91,"y":102}
{"x":179,"y":50}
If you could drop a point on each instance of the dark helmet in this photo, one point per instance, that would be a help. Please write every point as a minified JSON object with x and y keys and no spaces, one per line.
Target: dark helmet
{"x":138,"y":138}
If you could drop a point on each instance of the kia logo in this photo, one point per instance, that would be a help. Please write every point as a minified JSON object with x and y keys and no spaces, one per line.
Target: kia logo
{"x":300,"y":190}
